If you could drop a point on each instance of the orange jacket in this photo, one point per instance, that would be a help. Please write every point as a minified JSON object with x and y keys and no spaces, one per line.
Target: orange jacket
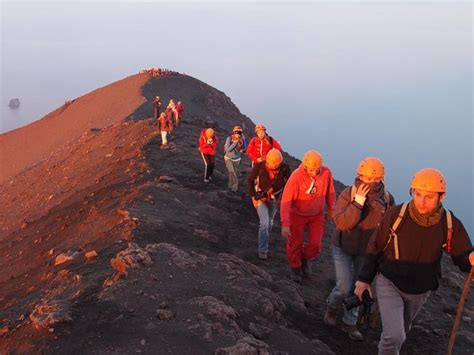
{"x":299,"y":199}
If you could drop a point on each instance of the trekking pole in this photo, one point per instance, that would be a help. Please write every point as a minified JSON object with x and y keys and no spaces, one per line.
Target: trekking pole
{"x":467,"y":286}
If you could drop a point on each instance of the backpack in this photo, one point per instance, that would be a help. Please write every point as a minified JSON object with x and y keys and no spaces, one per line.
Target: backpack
{"x":393,"y":231}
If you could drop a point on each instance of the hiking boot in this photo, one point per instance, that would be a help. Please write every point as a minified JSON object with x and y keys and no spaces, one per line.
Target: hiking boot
{"x":352,"y":331}
{"x":330,"y":316}
{"x":262,"y":255}
{"x":297,"y":275}
{"x":306,"y":268}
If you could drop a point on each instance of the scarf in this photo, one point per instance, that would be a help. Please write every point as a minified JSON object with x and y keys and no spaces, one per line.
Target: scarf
{"x":376,"y":195}
{"x":427,"y":219}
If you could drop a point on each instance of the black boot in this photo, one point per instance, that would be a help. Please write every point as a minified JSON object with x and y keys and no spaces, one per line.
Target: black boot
{"x":306,"y":269}
{"x":297,"y":275}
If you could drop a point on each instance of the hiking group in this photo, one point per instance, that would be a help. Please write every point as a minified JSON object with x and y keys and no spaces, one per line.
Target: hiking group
{"x":387,"y":257}
{"x":169,"y":119}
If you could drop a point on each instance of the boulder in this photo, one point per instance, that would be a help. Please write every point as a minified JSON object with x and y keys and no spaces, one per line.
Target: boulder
{"x":14,"y":103}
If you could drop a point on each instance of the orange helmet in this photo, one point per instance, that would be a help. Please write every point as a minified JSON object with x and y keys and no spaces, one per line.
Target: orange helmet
{"x":274,"y":158}
{"x":237,"y":129}
{"x":371,"y":167}
{"x":209,"y":133}
{"x":429,"y":179}
{"x":312,"y":160}
{"x":260,"y":127}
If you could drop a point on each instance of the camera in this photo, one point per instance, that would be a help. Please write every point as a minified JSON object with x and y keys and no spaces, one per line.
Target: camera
{"x":259,"y":195}
{"x":354,"y":301}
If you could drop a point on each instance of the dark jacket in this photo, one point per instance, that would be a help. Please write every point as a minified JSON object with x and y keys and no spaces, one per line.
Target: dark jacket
{"x":419,"y":266}
{"x":355,"y":223}
{"x":264,"y":183}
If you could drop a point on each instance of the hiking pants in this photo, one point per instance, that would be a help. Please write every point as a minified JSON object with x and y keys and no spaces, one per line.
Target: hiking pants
{"x":347,"y":269}
{"x":233,"y":169}
{"x":209,"y":162}
{"x":164,"y":140}
{"x":397,"y":309}
{"x":296,"y":249}
{"x":266,"y":214}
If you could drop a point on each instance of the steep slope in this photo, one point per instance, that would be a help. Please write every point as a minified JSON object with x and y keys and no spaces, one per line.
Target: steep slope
{"x":190,"y":282}
{"x":27,"y":145}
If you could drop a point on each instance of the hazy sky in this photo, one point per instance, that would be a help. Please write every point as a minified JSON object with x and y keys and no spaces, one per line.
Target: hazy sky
{"x":351,"y":79}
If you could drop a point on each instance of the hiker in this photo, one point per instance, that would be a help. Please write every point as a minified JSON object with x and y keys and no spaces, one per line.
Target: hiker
{"x":260,"y":145}
{"x":170,"y":116}
{"x":179,"y":112}
{"x":207,"y":146}
{"x":404,"y":256}
{"x":165,"y":127}
{"x":309,"y":188}
{"x":233,"y":148}
{"x":157,"y":106}
{"x":359,"y":209}
{"x":266,"y":182}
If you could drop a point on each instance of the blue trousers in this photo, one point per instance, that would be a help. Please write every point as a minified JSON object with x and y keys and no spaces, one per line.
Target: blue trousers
{"x":347,"y":269}
{"x":266,"y":215}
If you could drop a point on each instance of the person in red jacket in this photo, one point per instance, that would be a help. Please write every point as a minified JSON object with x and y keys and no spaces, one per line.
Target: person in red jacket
{"x":308,"y":189}
{"x":179,"y":112}
{"x":165,"y":127}
{"x":207,"y":146}
{"x":260,"y":145}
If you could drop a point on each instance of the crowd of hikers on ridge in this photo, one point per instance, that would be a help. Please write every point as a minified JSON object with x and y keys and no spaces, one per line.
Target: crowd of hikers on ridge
{"x":385,"y":255}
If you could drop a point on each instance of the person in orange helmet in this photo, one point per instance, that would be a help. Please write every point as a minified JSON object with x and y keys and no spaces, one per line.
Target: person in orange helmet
{"x":308,"y":190}
{"x":404,"y":256}
{"x":207,"y":146}
{"x":359,"y":209}
{"x":266,"y":182}
{"x":260,"y":144}
{"x":234,"y":146}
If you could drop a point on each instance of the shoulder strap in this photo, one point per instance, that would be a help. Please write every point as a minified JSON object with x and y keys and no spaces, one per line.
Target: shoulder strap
{"x":386,"y":197}
{"x":449,"y":222}
{"x":392,"y":231}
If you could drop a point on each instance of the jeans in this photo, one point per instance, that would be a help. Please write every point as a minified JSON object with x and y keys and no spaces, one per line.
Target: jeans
{"x":233,"y":169}
{"x":266,"y":215}
{"x":347,"y":269}
{"x":397,"y":309}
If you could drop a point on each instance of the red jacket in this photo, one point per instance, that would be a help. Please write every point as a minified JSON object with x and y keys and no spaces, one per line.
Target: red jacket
{"x":204,"y":146}
{"x":299,"y":199}
{"x":179,"y":108}
{"x":258,"y":148}
{"x":165,"y":124}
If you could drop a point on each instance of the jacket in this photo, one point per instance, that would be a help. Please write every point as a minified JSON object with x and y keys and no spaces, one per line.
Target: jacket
{"x":232,"y":150}
{"x":355,"y":223}
{"x":164,"y":124}
{"x":268,"y":186}
{"x":207,"y":146}
{"x":420,"y":248}
{"x":258,"y":148}
{"x":299,"y":198}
